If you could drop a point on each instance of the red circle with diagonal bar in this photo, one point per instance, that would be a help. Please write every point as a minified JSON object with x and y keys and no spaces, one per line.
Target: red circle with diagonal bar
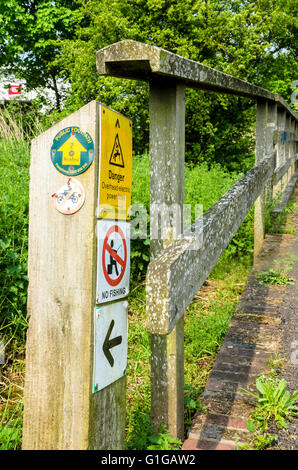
{"x":107,"y":248}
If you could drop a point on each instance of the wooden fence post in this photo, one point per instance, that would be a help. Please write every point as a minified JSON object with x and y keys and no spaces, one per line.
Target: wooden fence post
{"x":282,"y":146}
{"x":279,"y":149}
{"x":167,"y":131}
{"x":296,"y":144}
{"x":270,"y":143}
{"x":261,"y":145}
{"x":60,"y":410}
{"x":287,"y":146}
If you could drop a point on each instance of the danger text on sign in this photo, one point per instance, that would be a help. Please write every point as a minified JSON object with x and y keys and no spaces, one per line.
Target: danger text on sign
{"x":115,"y":166}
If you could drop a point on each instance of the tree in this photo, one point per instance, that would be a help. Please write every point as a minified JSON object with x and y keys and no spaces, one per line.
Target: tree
{"x":253,"y":40}
{"x":232,"y":36}
{"x":31,"y":33}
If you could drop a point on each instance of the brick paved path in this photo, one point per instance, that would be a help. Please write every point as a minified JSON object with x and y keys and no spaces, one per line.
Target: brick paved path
{"x":263,"y":324}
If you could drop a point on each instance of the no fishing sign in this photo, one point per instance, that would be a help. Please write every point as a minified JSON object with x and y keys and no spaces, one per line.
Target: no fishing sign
{"x":113,"y":260}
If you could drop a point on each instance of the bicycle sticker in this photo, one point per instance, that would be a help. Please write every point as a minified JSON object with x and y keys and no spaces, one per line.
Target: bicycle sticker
{"x":70,"y":197}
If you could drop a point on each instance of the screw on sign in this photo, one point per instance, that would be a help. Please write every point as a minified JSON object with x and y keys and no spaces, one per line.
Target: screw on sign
{"x":114,"y":259}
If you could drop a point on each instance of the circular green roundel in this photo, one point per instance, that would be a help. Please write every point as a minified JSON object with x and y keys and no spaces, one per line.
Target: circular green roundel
{"x":72,"y":151}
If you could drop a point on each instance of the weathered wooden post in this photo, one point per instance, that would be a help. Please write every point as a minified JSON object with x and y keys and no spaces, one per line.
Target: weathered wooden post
{"x":296,"y":144}
{"x":279,"y":149}
{"x":261,"y":146}
{"x":62,"y":407}
{"x":283,"y":117}
{"x":167,"y":140}
{"x":287,"y":146}
{"x":270,"y":141}
{"x":293,"y":145}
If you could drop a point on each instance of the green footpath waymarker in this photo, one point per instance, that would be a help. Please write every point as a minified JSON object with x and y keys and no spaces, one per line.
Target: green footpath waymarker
{"x":72,"y":151}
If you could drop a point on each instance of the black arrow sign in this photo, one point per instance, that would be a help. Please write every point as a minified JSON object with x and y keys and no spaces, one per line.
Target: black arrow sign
{"x":110,"y":343}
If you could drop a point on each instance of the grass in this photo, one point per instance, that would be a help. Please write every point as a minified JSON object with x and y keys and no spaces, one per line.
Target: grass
{"x":11,"y":394}
{"x":11,"y":427}
{"x":14,"y":183}
{"x":278,"y":276}
{"x":274,"y":277}
{"x":14,"y":159}
{"x":280,"y":222}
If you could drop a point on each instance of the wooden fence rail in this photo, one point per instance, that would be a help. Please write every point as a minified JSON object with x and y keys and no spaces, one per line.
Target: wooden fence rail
{"x":179,"y":267}
{"x":176,"y":274}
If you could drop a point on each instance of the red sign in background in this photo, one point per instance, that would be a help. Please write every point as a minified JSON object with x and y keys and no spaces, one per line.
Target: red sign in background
{"x":15,"y":90}
{"x":107,"y":248}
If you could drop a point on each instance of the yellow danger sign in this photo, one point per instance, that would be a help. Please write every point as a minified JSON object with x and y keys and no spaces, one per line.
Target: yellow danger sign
{"x":115,"y":165}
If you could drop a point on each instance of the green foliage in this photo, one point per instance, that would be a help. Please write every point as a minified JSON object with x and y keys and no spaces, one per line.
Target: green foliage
{"x":138,"y":426}
{"x":140,"y":248}
{"x":20,"y":121}
{"x":279,"y":275}
{"x":251,"y":425}
{"x":263,"y":441}
{"x":275,"y":364}
{"x":191,"y":404}
{"x":234,"y":37}
{"x":279,"y":222}
{"x":206,"y":185}
{"x":259,"y":441}
{"x":29,"y":50}
{"x":163,"y":441}
{"x":11,"y":428}
{"x":203,"y":185}
{"x":274,"y":402}
{"x":204,"y":334}
{"x":274,"y":277}
{"x":254,"y":41}
{"x":14,"y":203}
